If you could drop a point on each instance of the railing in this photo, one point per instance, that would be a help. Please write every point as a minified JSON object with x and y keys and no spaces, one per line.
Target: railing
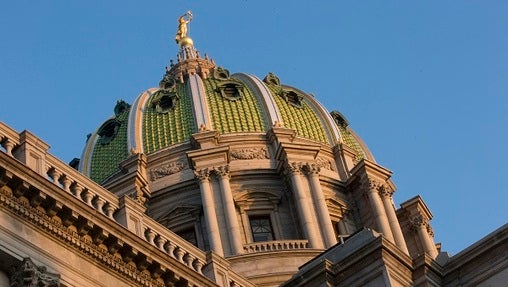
{"x":174,"y":246}
{"x":60,"y":173}
{"x":81,"y":186}
{"x":279,"y":245}
{"x":9,"y":138}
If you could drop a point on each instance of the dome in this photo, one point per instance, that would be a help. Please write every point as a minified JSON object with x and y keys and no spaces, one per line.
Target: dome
{"x":196,"y":95}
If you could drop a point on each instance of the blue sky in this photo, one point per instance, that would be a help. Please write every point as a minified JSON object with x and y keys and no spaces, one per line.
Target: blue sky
{"x":424,"y":83}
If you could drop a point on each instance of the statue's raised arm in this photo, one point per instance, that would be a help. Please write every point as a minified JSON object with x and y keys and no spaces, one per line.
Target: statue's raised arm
{"x":182,"y":26}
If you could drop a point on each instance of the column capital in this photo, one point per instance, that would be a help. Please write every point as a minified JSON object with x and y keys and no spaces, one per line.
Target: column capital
{"x":202,"y":174}
{"x":385,"y":191}
{"x":371,"y":184}
{"x":222,"y":171}
{"x":293,"y":167}
{"x":311,"y":168}
{"x":417,"y":221}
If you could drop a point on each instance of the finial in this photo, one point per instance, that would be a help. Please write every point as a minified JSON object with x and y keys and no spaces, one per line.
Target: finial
{"x":181,"y":34}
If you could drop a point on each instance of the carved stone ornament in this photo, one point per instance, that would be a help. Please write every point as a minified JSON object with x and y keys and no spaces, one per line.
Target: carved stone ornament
{"x":430,"y":231}
{"x":418,"y":221}
{"x":373,"y":184}
{"x":220,"y":73}
{"x":325,"y":163}
{"x":169,"y":169}
{"x":311,"y":168}
{"x":249,"y":153}
{"x":221,"y":171}
{"x":202,"y":174}
{"x":31,"y":275}
{"x":294,"y":167}
{"x":139,"y":197}
{"x":271,"y":79}
{"x":385,"y":191}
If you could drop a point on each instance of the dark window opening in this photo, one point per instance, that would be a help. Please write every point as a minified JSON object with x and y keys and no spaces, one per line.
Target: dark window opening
{"x":261,"y":228}
{"x":166,"y":103}
{"x":108,"y":131}
{"x":189,"y":234}
{"x":231,"y":91}
{"x":293,"y":99}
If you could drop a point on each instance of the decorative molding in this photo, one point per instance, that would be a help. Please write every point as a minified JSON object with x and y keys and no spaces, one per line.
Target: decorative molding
{"x":249,"y":153}
{"x":29,"y":274}
{"x":166,"y":170}
{"x":74,"y":240}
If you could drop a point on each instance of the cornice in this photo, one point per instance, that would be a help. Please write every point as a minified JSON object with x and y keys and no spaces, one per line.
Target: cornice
{"x":95,"y":235}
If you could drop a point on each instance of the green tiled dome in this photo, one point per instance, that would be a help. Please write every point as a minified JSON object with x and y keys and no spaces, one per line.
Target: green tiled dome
{"x":162,"y":129}
{"x":109,"y":152}
{"x":298,"y":115}
{"x":195,"y":95}
{"x":242,"y":114}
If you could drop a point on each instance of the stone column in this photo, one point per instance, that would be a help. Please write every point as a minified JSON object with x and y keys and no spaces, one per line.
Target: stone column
{"x":324,"y":220}
{"x":208,"y":202}
{"x":228,"y":204}
{"x":378,"y":208}
{"x":422,"y":227}
{"x":304,"y":206}
{"x":386,"y":196}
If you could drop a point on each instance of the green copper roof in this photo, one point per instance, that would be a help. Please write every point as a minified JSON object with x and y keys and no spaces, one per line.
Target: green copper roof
{"x":108,"y":154}
{"x":303,"y":119}
{"x":175,"y":125}
{"x":234,"y":114}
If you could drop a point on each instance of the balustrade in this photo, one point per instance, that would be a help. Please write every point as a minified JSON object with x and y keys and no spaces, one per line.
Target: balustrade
{"x":273,"y":246}
{"x":174,"y":246}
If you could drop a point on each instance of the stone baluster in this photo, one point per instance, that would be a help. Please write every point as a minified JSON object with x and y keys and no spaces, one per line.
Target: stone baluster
{"x":159,"y":242}
{"x":66,"y":183}
{"x":8,"y":145}
{"x":110,"y":210}
{"x":150,"y":236}
{"x":77,"y":189}
{"x":170,"y":249}
{"x":208,"y":202}
{"x":179,"y":253}
{"x":228,"y":203}
{"x":198,"y":266}
{"x":88,"y":196}
{"x":189,"y":259}
{"x":386,"y":193}
{"x":303,"y":203}
{"x":99,"y":204}
{"x":55,"y":176}
{"x":324,"y":219}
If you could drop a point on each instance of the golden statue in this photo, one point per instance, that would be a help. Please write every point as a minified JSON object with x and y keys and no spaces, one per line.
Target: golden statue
{"x":182,"y":26}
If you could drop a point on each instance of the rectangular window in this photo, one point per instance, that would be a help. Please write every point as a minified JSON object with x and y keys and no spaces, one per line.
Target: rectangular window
{"x":261,"y":228}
